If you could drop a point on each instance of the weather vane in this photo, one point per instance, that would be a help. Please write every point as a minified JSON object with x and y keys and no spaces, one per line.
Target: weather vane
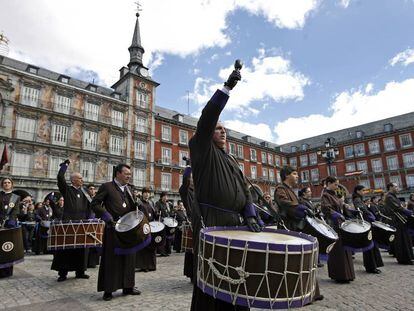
{"x":139,"y":5}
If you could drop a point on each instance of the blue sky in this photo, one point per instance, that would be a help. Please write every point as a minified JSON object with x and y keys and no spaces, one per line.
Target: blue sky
{"x":311,"y":66}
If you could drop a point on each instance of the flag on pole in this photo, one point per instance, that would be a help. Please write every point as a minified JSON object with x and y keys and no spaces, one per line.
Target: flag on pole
{"x":4,"y":158}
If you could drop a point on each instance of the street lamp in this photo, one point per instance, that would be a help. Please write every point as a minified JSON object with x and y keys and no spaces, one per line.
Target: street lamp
{"x":329,"y":153}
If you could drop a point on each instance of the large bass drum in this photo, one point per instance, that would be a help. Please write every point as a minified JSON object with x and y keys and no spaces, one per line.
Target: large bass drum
{"x":11,"y":247}
{"x":273,"y":269}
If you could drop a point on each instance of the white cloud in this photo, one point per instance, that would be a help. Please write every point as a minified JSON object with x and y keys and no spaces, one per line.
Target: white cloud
{"x":65,"y":34}
{"x":267,"y":78}
{"x":259,"y":130}
{"x":351,"y":109}
{"x":344,"y":3}
{"x":406,"y":57}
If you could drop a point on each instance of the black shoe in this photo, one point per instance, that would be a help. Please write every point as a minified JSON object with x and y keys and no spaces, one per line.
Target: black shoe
{"x":320,"y":297}
{"x":375,"y":271}
{"x":107,"y":296}
{"x":82,"y":276}
{"x":131,"y":291}
{"x":320,"y":265}
{"x":62,"y":278}
{"x":164,"y":255}
{"x":342,"y":281}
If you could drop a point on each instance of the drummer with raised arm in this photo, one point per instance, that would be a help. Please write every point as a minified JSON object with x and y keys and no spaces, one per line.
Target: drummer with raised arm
{"x":77,"y":207}
{"x":113,"y":200}
{"x":340,"y":264}
{"x":222,"y":195}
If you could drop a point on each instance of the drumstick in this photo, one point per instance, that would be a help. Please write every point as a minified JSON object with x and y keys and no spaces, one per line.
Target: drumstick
{"x":94,"y":237}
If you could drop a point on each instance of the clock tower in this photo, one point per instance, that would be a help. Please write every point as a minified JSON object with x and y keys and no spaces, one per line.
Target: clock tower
{"x":137,"y":89}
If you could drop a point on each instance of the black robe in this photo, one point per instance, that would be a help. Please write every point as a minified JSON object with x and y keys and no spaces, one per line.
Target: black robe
{"x":340,"y":263}
{"x":115,"y":271}
{"x":76,"y":207}
{"x":372,"y":258}
{"x":10,"y":214}
{"x":187,"y":196}
{"x":146,"y":258}
{"x":402,"y":246}
{"x":163,"y":210}
{"x":40,"y":241}
{"x":222,"y":195}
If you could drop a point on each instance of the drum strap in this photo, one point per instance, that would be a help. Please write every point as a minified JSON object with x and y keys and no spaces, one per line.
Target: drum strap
{"x":86,"y":194}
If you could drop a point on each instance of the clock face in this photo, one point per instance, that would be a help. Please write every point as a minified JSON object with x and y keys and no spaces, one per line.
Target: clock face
{"x":143,"y":72}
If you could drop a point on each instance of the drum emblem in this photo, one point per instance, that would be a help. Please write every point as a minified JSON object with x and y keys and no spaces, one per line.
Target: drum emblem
{"x":370,"y":235}
{"x":7,"y":246}
{"x":146,"y":228}
{"x":158,"y":239}
{"x":391,"y":238}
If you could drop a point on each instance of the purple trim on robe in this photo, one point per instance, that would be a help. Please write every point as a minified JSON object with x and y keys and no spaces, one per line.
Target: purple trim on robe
{"x":335,"y":215}
{"x":10,"y":264}
{"x":261,"y":223}
{"x":369,"y":217}
{"x":323,"y":257}
{"x":106,"y":217}
{"x":407,"y":212}
{"x":10,"y":223}
{"x":129,"y":251}
{"x":363,"y":249}
{"x":187,"y":172}
{"x":220,"y":98}
{"x":249,"y":211}
{"x":63,"y":168}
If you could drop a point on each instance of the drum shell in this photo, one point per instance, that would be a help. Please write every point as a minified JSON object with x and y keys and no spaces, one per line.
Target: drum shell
{"x":11,"y":246}
{"x":187,"y":238}
{"x":381,"y":236}
{"x":134,"y":236}
{"x":157,"y":238}
{"x":75,"y":234}
{"x":325,"y":242}
{"x":287,"y":295}
{"x":356,"y":241}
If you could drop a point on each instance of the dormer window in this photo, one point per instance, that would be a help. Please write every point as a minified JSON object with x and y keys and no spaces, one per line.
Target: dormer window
{"x":359,"y":134}
{"x":64,"y":79}
{"x":305,"y":147}
{"x":116,"y":95}
{"x":91,"y":88}
{"x":32,"y":69}
{"x":388,"y":127}
{"x":293,"y":149}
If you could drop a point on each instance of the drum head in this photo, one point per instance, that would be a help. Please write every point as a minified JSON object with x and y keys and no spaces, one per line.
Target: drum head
{"x":129,"y":221}
{"x":322,"y":228}
{"x":262,"y":237}
{"x":156,"y":226}
{"x":383,"y":226}
{"x":170,"y":222}
{"x":355,"y":226}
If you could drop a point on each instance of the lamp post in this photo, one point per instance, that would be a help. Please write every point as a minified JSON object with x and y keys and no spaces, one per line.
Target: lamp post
{"x":329,"y":153}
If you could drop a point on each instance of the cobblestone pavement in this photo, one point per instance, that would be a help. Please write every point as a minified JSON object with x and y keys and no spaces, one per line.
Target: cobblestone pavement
{"x":34,"y":287}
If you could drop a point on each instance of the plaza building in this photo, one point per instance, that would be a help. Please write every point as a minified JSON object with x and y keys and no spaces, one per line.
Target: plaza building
{"x":47,"y":117}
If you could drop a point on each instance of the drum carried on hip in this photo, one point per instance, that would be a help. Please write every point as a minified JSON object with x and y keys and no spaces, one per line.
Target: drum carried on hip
{"x":273,"y":269}
{"x":383,"y":234}
{"x":187,"y":237}
{"x":356,"y":235}
{"x":322,"y":231}
{"x":171,"y":224}
{"x":11,"y":247}
{"x":157,"y":233}
{"x":75,"y":234}
{"x":132,"y":233}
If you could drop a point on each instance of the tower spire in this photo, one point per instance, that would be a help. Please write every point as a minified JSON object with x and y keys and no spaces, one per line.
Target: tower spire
{"x":136,"y":50}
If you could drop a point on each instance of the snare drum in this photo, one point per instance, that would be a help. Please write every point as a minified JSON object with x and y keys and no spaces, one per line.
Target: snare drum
{"x":171,"y":225}
{"x":187,"y":238}
{"x":75,"y":234}
{"x":323,"y":232}
{"x":157,"y":233}
{"x":132,"y":233}
{"x":383,"y":234}
{"x":11,"y":247}
{"x":356,"y":235}
{"x":272,"y":269}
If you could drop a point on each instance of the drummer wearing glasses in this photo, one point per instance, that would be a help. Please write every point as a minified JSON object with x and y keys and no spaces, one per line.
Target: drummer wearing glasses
{"x":340,"y":264}
{"x":223,"y":198}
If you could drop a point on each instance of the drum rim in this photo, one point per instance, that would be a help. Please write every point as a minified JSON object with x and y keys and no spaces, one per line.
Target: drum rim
{"x":168,"y":218}
{"x":334,"y":238}
{"x":375,"y":224}
{"x":158,"y":222}
{"x":120,"y":220}
{"x":313,"y":242}
{"x":346,"y":222}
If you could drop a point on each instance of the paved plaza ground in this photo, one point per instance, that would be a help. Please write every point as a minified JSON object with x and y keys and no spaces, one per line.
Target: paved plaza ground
{"x":33,"y":287}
